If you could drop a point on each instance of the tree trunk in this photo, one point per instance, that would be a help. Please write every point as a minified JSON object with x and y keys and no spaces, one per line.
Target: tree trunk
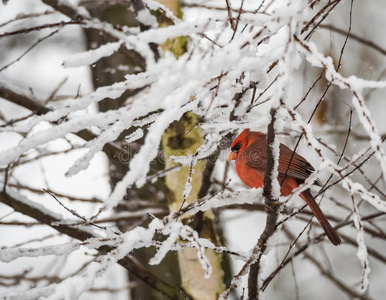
{"x":106,"y":72}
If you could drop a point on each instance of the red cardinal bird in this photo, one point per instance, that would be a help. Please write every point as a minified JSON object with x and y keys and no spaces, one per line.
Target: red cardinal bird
{"x":249,"y":150}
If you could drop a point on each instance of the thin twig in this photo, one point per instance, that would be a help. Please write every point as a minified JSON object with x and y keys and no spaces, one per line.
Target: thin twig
{"x":30,"y":48}
{"x":76,"y":214}
{"x":355,"y":37}
{"x":230,"y":15}
{"x":238,"y":19}
{"x":26,"y":16}
{"x":40,"y":27}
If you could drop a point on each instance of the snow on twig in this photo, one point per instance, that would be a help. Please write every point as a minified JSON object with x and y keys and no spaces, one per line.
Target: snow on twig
{"x":113,"y":91}
{"x":134,"y":136}
{"x":111,"y":133}
{"x":172,"y":229}
{"x":191,"y":235}
{"x":175,"y":230}
{"x":9,"y":255}
{"x":42,"y":137}
{"x":154,"y":5}
{"x":73,"y":287}
{"x":210,"y":144}
{"x":362,"y":248}
{"x":223,"y":199}
{"x":347,"y":183}
{"x":356,"y":85}
{"x":91,"y":56}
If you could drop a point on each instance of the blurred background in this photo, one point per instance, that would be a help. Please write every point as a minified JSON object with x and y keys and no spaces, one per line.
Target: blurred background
{"x":32,"y":65}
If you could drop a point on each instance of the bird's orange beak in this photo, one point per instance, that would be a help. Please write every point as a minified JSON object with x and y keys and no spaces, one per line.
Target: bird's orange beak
{"x":232,"y":156}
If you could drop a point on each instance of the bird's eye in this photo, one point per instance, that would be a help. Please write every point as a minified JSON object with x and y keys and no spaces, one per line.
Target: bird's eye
{"x":236,"y":147}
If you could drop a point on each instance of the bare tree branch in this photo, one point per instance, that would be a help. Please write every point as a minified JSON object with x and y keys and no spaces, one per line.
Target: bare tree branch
{"x":29,"y":102}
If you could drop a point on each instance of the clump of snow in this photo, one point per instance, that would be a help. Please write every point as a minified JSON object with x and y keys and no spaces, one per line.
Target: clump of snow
{"x":136,"y":135}
{"x":145,"y":17}
{"x":91,"y":56}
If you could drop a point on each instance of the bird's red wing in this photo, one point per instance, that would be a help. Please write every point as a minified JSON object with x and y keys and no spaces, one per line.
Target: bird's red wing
{"x":299,"y":168}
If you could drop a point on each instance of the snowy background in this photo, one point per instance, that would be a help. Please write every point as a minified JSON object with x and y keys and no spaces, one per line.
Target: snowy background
{"x":219,"y":63}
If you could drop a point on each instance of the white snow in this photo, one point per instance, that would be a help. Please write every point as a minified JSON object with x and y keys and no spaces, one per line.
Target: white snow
{"x":91,"y":56}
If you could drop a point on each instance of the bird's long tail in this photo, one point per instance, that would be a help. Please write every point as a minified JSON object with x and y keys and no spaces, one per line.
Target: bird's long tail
{"x":331,"y":233}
